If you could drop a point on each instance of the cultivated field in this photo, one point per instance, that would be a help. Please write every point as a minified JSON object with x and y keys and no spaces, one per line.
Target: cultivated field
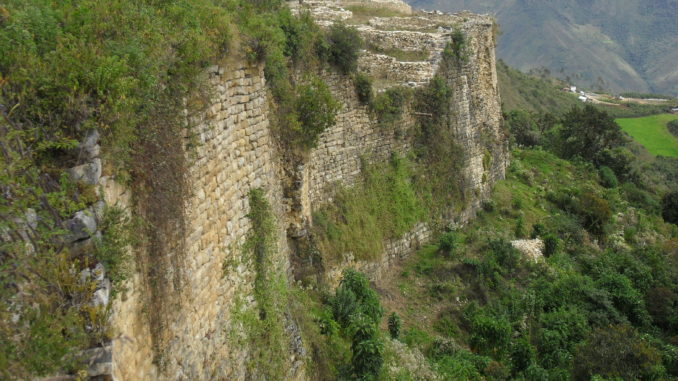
{"x":651,"y":132}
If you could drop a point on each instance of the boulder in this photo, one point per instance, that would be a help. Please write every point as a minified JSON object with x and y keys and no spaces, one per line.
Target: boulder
{"x":82,"y":225}
{"x":88,"y":173}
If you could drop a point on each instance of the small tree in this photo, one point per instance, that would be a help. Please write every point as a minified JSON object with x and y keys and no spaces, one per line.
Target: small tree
{"x":316,"y":110}
{"x":343,"y":46}
{"x":394,"y":325}
{"x":587,"y":131}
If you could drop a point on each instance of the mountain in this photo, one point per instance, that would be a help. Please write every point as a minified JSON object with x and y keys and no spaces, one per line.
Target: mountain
{"x":617,"y":45}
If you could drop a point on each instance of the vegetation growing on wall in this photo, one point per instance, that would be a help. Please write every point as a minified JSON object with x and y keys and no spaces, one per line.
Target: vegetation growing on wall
{"x":384,"y":205}
{"x":263,"y":324}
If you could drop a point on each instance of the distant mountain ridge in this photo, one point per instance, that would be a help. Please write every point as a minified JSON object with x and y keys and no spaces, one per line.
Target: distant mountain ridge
{"x":615,"y":45}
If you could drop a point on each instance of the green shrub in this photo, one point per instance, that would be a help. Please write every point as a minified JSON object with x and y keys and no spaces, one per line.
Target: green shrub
{"x":670,"y":207}
{"x":394,"y":325}
{"x":550,"y":245}
{"x":538,"y":230}
{"x":363,"y":88}
{"x":673,"y":127}
{"x":342,"y":47}
{"x":607,"y":177}
{"x":362,"y":301}
{"x":367,"y":348}
{"x":457,"y":49}
{"x":595,"y":211}
{"x":448,"y":243}
{"x":316,"y":110}
{"x":587,"y":132}
{"x":640,"y":198}
{"x":519,"y":230}
{"x":389,"y":105}
{"x":522,"y":355}
{"x":616,"y":351}
{"x":490,"y":335}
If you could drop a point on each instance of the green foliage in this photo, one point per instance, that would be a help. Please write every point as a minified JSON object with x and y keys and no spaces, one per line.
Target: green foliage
{"x":607,"y":177}
{"x":538,"y":230}
{"x":316,"y":110}
{"x":343,"y":44}
{"x":367,"y":348}
{"x":264,"y":328}
{"x":113,"y":248}
{"x":519,"y":230}
{"x":437,"y":147}
{"x":357,"y":309}
{"x":672,"y":126}
{"x":523,"y":127}
{"x":363,"y":88}
{"x":457,"y":49}
{"x":394,"y":325}
{"x":617,"y":351}
{"x":551,"y":244}
{"x":522,"y":355}
{"x":389,"y":105}
{"x":490,"y":335}
{"x":448,"y":243}
{"x":670,"y":207}
{"x":586,"y":132}
{"x":383,"y":205}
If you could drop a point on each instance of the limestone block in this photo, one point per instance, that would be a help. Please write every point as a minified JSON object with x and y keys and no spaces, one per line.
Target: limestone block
{"x":88,"y":173}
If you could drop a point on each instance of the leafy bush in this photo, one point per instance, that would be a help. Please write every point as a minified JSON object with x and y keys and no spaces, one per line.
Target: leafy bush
{"x":670,"y":207}
{"x":363,"y":88}
{"x":342,"y":47}
{"x":523,"y":128}
{"x":673,"y":127}
{"x":457,"y":48}
{"x":550,"y":245}
{"x":354,"y":296}
{"x":490,"y":335}
{"x":447,"y":243}
{"x":607,"y":177}
{"x":595,"y":211}
{"x":394,"y":325}
{"x":640,"y":198}
{"x":616,"y":351}
{"x":538,"y":230}
{"x":519,"y":230}
{"x":389,"y":105}
{"x":316,"y":110}
{"x":586,"y":132}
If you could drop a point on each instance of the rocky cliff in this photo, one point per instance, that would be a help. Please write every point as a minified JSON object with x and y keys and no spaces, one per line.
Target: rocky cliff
{"x":198,"y":337}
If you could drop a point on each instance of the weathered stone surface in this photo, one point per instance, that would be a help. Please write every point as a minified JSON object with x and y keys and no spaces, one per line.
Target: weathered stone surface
{"x":82,"y":225}
{"x":89,"y":147}
{"x":88,"y":173}
{"x":99,"y":361}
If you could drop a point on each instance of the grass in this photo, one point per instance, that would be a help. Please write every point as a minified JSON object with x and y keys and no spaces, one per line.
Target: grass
{"x":362,"y":13}
{"x":652,"y":133}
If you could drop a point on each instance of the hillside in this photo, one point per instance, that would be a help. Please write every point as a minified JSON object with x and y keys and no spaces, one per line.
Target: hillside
{"x":520,"y":91}
{"x":608,"y":44}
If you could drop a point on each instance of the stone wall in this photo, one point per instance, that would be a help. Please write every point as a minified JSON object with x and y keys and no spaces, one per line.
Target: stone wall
{"x":235,"y":154}
{"x":475,"y":110}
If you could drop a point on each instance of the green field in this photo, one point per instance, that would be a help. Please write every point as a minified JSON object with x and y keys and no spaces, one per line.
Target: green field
{"x":651,"y":132}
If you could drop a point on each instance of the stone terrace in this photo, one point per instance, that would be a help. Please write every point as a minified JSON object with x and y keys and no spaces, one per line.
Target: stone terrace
{"x":391,"y":29}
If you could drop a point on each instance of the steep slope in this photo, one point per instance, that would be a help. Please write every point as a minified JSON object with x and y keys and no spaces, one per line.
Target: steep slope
{"x":615,"y":45}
